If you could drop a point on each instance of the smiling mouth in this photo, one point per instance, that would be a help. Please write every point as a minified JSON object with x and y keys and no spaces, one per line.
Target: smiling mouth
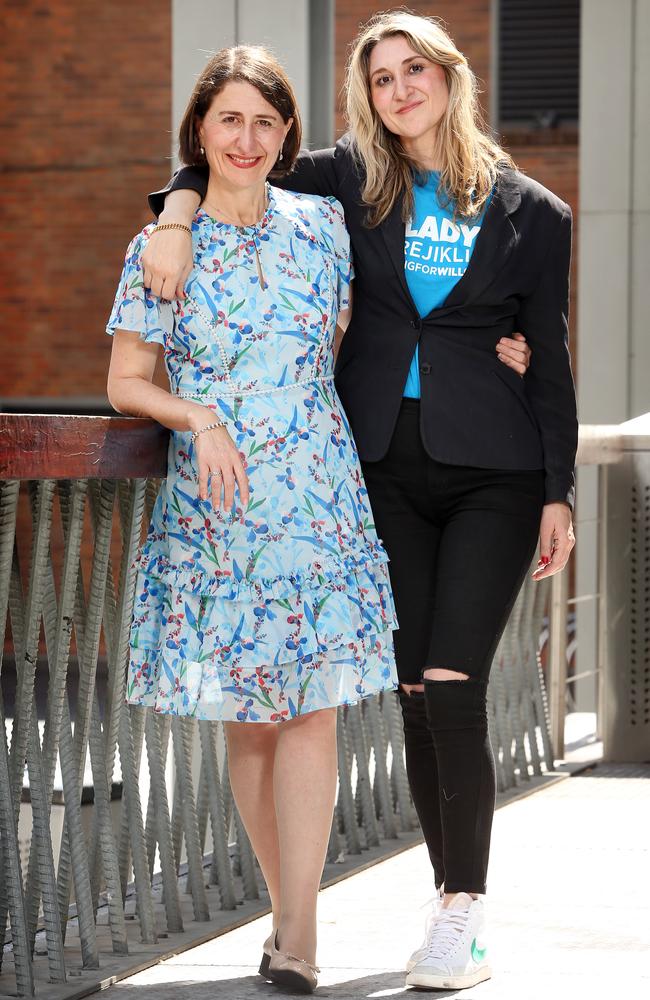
{"x":243,"y":162}
{"x":409,"y":107}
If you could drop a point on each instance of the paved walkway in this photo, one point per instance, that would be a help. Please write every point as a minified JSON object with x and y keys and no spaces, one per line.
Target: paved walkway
{"x":569,"y":911}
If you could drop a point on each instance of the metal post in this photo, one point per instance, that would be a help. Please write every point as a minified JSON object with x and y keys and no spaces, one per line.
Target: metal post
{"x":603,"y":623}
{"x":557,"y":660}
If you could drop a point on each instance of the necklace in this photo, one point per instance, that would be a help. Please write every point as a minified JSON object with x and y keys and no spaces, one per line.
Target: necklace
{"x":253,"y":239}
{"x":260,"y":273}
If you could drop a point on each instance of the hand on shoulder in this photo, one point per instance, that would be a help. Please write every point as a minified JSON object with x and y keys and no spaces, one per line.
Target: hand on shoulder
{"x":167,"y":262}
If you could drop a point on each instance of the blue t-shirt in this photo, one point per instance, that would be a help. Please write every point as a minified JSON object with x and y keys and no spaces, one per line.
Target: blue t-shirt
{"x":436,"y":254}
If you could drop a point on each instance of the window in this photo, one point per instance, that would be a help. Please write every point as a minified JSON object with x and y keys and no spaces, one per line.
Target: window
{"x":538,"y":63}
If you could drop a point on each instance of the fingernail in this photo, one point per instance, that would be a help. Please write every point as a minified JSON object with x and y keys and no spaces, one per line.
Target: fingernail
{"x":545,"y":560}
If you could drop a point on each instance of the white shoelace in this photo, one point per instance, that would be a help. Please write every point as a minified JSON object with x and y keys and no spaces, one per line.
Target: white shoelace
{"x":445,"y":932}
{"x":434,"y":909}
{"x":432,"y":905}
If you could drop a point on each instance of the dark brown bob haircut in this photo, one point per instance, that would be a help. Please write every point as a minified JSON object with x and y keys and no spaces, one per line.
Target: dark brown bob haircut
{"x":242,"y":64}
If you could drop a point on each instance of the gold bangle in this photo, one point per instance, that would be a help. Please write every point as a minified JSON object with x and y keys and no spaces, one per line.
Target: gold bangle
{"x":173,"y":225}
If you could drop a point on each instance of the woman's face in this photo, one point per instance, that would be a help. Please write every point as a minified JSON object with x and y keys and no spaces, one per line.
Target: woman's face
{"x":242,"y":135}
{"x":408,"y":91}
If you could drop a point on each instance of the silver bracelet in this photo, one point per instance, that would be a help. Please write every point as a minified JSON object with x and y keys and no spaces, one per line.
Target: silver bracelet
{"x":208,"y":427}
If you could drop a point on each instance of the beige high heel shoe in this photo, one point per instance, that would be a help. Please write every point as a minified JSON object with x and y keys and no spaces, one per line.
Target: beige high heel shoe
{"x":287,"y":970}
{"x":266,"y":955}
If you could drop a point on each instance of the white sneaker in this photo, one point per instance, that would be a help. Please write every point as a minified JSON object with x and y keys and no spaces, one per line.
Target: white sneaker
{"x":456,"y":956}
{"x":435,"y":905}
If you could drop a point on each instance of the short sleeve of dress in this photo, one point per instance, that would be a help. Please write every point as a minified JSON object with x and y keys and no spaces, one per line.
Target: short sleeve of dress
{"x":342,"y":252}
{"x":134,"y":307}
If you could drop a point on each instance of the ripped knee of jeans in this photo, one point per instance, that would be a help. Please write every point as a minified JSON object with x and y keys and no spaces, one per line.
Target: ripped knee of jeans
{"x":444,"y":674}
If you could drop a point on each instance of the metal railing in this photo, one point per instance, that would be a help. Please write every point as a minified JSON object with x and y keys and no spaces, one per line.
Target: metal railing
{"x":602,"y":446}
{"x":75,"y":496}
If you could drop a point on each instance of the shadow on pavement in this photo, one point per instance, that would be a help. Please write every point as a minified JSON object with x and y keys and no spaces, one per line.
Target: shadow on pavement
{"x":379,"y":985}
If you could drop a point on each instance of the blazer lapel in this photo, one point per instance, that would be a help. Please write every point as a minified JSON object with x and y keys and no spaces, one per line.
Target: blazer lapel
{"x":494,"y":243}
{"x":393,"y":231}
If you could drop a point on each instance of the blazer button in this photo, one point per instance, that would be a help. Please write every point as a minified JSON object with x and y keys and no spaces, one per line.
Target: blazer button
{"x":425,"y":369}
{"x":416,"y":324}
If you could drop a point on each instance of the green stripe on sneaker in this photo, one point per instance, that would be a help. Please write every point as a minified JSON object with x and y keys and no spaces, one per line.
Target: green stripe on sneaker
{"x":478,"y":954}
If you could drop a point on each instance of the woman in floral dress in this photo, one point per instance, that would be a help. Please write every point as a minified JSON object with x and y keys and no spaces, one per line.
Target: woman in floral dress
{"x":262,"y":593}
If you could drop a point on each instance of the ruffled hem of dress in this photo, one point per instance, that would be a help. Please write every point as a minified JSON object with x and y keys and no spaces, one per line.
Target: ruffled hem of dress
{"x":343,"y":676}
{"x":224,"y":633}
{"x":226,"y":584}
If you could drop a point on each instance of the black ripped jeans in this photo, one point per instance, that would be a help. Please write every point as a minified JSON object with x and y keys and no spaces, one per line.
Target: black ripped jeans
{"x":460,"y":541}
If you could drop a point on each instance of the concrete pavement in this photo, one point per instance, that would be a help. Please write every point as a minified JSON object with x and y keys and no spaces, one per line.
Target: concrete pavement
{"x":569,"y":910}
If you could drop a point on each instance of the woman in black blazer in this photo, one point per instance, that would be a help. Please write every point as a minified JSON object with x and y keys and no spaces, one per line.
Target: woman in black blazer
{"x":466,"y":463}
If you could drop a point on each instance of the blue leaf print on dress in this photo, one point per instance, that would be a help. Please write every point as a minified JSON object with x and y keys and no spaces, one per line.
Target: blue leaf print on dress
{"x":264,"y":613}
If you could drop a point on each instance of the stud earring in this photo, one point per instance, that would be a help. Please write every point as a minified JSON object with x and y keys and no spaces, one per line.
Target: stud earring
{"x":281,"y":156}
{"x":202,"y":150}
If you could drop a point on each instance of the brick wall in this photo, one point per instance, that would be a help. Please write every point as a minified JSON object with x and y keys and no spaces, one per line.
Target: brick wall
{"x":84,"y":119}
{"x":551,"y":159}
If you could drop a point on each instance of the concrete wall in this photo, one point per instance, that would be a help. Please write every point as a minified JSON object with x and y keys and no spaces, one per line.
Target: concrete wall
{"x":614,"y":265}
{"x":615,"y":211}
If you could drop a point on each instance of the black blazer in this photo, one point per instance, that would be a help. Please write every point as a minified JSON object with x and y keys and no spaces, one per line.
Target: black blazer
{"x":475,"y":411}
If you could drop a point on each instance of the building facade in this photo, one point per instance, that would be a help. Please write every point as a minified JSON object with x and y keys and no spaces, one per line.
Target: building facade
{"x":90,"y":108}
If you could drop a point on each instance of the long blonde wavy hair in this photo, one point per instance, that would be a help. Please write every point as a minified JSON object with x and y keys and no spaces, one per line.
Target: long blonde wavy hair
{"x":469,"y":157}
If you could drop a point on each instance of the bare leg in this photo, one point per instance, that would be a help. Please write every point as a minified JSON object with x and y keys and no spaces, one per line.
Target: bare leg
{"x":412,"y":687}
{"x":304,"y":784}
{"x":251,"y":755}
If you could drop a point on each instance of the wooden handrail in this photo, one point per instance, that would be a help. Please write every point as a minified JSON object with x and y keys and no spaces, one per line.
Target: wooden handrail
{"x":64,"y":446}
{"x":54,"y":446}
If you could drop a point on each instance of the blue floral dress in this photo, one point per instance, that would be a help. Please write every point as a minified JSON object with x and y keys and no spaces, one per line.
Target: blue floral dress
{"x":263,"y":613}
